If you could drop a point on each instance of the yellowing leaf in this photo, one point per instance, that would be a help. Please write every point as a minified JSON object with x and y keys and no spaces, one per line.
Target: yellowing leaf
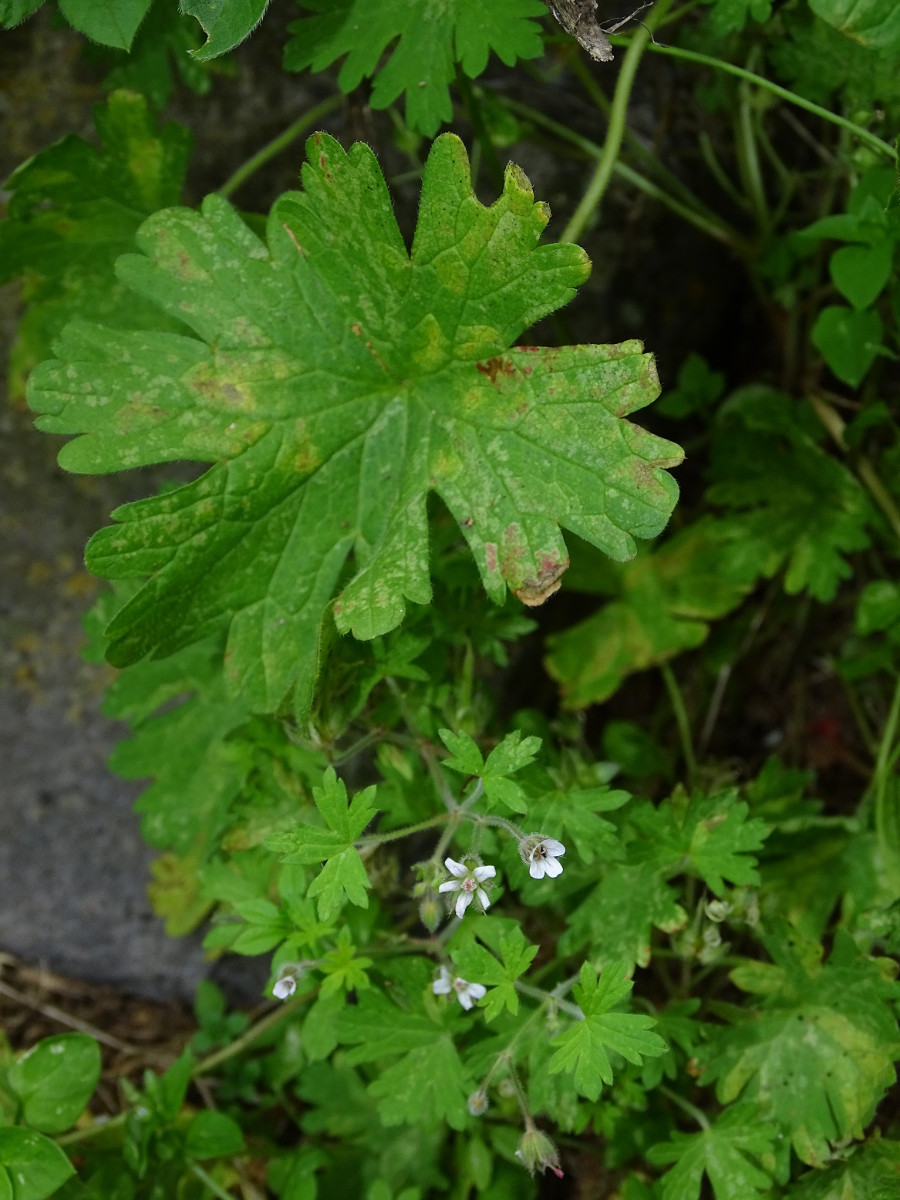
{"x":334,"y":380}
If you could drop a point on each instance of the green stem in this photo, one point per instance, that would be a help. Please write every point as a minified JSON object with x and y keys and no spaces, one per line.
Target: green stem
{"x":535,"y":993}
{"x":500,"y":822}
{"x":718,"y":172}
{"x":748,"y":160}
{"x":718,"y":64}
{"x":616,"y":129}
{"x":883,"y":766}
{"x":274,"y":148}
{"x":833,"y":422}
{"x":476,"y":117}
{"x":519,"y":1090}
{"x":375,"y":839}
{"x":685,"y":1106}
{"x":429,"y":758}
{"x":694,"y":213}
{"x":681,"y":718}
{"x":263,"y":1025}
{"x":209,"y":1183}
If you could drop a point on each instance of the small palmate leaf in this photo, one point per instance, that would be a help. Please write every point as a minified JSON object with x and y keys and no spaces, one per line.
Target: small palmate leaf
{"x":617,"y":916}
{"x":334,"y":381}
{"x":427,"y":39}
{"x":713,"y":836}
{"x":585,"y":1047}
{"x":725,"y":1152}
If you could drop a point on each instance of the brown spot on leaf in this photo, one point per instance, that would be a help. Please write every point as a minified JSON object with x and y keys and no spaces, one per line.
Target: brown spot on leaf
{"x":492,"y":367}
{"x":547,"y":581}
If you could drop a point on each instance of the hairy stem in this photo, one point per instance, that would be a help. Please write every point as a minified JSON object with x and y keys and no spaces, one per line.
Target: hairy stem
{"x":681,"y":718}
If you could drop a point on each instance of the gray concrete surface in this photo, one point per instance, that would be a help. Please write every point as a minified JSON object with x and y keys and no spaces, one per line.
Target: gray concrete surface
{"x":73,"y":868}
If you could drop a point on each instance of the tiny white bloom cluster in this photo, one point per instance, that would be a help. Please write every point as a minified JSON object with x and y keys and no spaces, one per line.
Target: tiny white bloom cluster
{"x":467,"y":882}
{"x":466,"y":993}
{"x":541,"y":855}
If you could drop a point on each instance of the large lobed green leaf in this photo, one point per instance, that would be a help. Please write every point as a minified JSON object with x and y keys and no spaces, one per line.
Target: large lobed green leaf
{"x":874,"y":23}
{"x":666,"y":599}
{"x":817,"y":1052}
{"x":334,"y":381}
{"x":725,"y":1152}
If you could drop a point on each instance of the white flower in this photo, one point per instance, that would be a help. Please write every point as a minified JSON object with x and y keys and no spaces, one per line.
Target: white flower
{"x":467,"y":884}
{"x":286,"y":986}
{"x":466,"y":993}
{"x":541,"y":855}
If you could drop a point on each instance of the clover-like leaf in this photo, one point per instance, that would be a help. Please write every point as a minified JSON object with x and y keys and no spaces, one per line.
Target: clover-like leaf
{"x":343,"y":877}
{"x":334,"y":381}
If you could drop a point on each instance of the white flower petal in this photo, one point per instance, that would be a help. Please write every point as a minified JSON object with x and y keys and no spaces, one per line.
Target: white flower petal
{"x":456,"y":868}
{"x":482,"y":873}
{"x":483,"y":897}
{"x":463,"y":900}
{"x":452,"y":885}
{"x":284,"y":987}
{"x":477,"y":990}
{"x":443,"y":984}
{"x":553,"y":847}
{"x":553,"y":867}
{"x":465,"y":999}
{"x":538,"y":867}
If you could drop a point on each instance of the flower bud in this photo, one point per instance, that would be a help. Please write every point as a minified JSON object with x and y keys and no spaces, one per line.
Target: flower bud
{"x":536,"y":1152}
{"x":718,"y":910}
{"x":431,"y":912}
{"x":477,"y":1103}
